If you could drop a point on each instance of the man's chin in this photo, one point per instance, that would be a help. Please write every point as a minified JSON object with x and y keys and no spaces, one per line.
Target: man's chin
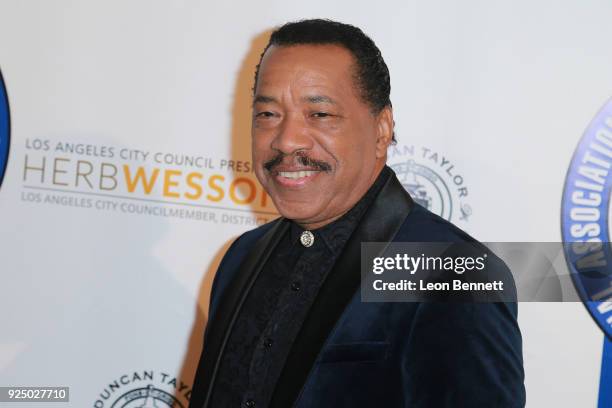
{"x":303,"y":214}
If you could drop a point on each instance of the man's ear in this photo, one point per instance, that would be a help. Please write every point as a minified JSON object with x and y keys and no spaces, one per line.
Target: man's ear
{"x":384,"y":131}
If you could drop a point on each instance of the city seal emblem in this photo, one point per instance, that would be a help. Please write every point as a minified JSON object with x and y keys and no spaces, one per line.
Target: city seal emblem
{"x":144,"y":389}
{"x":432,"y":181}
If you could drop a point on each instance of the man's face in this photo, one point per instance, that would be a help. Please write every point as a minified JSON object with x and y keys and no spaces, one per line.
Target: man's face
{"x":317,"y":147}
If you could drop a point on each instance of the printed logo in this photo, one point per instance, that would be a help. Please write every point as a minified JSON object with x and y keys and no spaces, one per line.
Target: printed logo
{"x":141,"y":181}
{"x":144,"y":389}
{"x":431,"y":180}
{"x":5,"y":129}
{"x":585,"y":218}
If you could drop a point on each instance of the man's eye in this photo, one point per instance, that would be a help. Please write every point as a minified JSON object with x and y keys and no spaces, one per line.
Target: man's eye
{"x":321,"y":114}
{"x":264,"y":114}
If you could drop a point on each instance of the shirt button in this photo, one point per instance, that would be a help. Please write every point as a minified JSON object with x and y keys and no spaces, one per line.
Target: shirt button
{"x":268,"y":343}
{"x":295,"y":286}
{"x":249,"y":403}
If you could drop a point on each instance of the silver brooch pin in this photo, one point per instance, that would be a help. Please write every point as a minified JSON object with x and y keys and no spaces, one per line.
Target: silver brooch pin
{"x":307,"y":239}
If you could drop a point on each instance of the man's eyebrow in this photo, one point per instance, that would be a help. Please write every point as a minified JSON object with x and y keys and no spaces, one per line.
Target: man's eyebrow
{"x":319,"y":99}
{"x":263,"y":99}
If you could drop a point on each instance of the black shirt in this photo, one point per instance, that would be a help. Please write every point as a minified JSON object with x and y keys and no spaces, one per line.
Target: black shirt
{"x":277,"y":305}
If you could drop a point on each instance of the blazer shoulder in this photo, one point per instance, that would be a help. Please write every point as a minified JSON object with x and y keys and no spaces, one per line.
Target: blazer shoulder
{"x":424,"y":226}
{"x":486,"y":335}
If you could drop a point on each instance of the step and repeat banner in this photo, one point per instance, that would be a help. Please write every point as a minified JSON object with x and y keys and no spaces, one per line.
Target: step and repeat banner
{"x":125,"y":170}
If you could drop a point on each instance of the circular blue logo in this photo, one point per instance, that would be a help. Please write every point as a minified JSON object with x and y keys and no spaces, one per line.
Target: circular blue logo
{"x":585,"y":218}
{"x":5,"y":129}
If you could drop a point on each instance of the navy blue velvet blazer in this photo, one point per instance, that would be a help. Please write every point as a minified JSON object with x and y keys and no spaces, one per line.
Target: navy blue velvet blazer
{"x":355,"y":354}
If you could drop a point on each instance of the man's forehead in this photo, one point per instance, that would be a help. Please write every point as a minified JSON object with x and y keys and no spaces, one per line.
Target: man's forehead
{"x":322,"y":52}
{"x":327,"y":59}
{"x":321,"y":67}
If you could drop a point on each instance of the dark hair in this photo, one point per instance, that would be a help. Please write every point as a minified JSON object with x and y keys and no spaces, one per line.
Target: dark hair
{"x":371,"y":73}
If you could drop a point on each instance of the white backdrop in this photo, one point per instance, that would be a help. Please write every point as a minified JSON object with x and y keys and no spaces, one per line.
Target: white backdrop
{"x":490,"y":96}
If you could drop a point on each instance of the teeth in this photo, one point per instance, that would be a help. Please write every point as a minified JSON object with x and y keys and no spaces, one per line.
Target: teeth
{"x":296,"y":174}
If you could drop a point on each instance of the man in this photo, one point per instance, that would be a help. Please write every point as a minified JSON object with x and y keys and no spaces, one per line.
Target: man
{"x":287,"y":326}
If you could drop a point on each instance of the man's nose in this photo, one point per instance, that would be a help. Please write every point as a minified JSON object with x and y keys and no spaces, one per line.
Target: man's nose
{"x":292,"y":135}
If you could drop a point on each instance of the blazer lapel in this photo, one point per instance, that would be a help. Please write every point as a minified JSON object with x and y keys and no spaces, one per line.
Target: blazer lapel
{"x":217,"y":334}
{"x":380,"y":223}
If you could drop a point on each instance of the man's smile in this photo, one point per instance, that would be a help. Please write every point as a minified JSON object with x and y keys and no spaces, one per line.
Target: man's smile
{"x":294,"y":178}
{"x":297,"y":174}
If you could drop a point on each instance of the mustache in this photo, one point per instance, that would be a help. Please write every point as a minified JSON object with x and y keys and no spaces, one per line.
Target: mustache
{"x":302,"y":159}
